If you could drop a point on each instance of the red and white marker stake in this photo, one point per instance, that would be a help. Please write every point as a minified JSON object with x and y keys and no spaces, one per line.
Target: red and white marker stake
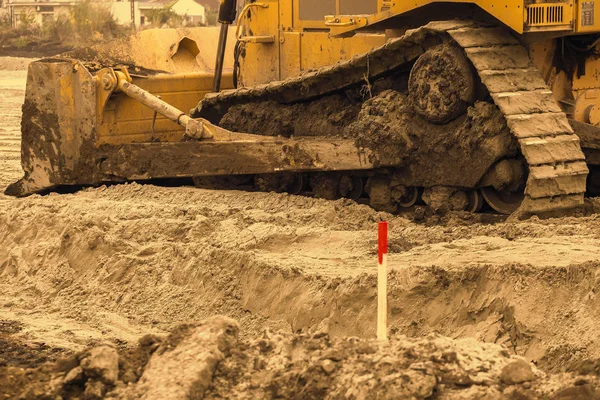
{"x":382,"y":313}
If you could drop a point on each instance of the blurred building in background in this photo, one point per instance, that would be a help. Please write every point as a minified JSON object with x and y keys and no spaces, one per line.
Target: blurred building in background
{"x":35,"y":11}
{"x":136,"y":13}
{"x":192,"y":11}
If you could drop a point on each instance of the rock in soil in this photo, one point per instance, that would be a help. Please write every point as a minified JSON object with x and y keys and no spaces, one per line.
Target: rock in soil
{"x":101,"y":363}
{"x":516,"y":372}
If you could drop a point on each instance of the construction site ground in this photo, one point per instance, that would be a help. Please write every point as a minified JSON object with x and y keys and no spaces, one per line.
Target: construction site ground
{"x":109,"y":265}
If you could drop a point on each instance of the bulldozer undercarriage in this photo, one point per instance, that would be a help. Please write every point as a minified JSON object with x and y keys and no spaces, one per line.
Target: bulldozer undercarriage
{"x":465,"y":129}
{"x":451,"y":113}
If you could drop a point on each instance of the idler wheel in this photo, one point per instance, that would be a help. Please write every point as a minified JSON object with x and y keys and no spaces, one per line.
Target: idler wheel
{"x":442,"y":84}
{"x":504,"y":201}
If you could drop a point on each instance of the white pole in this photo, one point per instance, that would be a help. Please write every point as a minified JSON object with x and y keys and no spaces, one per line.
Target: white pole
{"x":382,"y":313}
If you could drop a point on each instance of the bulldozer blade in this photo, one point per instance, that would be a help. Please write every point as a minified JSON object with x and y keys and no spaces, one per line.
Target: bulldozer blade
{"x":69,"y":121}
{"x":76,"y":132}
{"x":57,"y":127}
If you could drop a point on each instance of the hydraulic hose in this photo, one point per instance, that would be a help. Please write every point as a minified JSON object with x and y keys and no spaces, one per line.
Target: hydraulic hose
{"x":227,"y":13}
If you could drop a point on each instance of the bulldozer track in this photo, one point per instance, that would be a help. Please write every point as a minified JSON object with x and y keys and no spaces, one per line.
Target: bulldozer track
{"x":556,"y":163}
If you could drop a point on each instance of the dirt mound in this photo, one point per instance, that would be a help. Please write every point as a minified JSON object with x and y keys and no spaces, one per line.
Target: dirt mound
{"x":324,"y":117}
{"x":317,"y":366}
{"x":144,"y":259}
{"x":150,"y":264}
{"x":19,"y":43}
{"x":207,"y":360}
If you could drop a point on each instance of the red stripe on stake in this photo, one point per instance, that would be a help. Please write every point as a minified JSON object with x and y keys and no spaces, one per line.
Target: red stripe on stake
{"x":382,"y":282}
{"x":383,"y":240}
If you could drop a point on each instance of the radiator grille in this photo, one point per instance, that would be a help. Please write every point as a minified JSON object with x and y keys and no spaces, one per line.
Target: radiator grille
{"x":544,"y":15}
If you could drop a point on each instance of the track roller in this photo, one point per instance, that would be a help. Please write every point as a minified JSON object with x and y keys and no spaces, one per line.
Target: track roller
{"x":410,"y":197}
{"x":297,"y":185}
{"x":351,"y":187}
{"x":475,"y":201}
{"x":279,"y":183}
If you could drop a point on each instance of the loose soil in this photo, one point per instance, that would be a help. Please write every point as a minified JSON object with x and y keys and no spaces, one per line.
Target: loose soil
{"x":207,"y":360}
{"x":33,"y":49}
{"x":16,"y":43}
{"x":112,"y":264}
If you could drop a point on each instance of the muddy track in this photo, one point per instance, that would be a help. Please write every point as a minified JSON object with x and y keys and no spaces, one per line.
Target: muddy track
{"x":557,"y":169}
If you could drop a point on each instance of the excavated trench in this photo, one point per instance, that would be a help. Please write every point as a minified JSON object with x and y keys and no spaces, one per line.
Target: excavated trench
{"x":144,"y":257}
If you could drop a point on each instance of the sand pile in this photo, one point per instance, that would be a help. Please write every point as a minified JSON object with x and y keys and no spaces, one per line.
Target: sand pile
{"x":208,"y":360}
{"x":155,"y":256}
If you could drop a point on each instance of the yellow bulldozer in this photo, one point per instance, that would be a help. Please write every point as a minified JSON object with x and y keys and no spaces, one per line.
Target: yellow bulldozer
{"x":455,"y":103}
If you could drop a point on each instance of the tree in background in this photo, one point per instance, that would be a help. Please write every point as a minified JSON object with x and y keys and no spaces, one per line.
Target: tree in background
{"x":60,"y":30}
{"x":211,"y":16}
{"x":164,"y":17}
{"x":92,"y":19}
{"x":88,"y":22}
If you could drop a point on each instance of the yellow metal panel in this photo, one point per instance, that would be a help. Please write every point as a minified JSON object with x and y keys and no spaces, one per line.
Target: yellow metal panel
{"x":290,"y":54}
{"x":297,"y":50}
{"x":509,"y":12}
{"x":126,"y":120}
{"x":260,"y":62}
{"x":286,"y":17}
{"x":318,"y":49}
{"x":591,"y":79}
{"x":258,"y":39}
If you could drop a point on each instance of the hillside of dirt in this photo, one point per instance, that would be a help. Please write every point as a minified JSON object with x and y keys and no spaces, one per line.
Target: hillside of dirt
{"x":107,"y":266}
